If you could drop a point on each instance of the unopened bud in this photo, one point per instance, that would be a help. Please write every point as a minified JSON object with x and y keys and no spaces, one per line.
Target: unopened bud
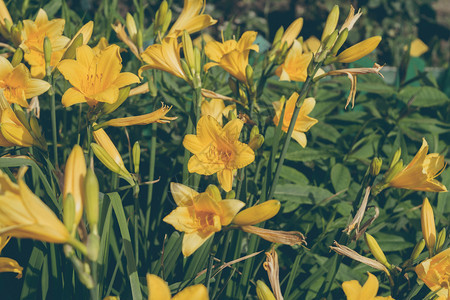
{"x":92,"y":201}
{"x":254,"y":132}
{"x":390,"y":174}
{"x":16,"y":33}
{"x":428,"y":225}
{"x":339,"y":42}
{"x":376,"y":250}
{"x":105,"y":158}
{"x":198,"y":61}
{"x":331,"y":40}
{"x":440,"y":240}
{"x":47,"y":55}
{"x":396,"y":157}
{"x":375,"y":166}
{"x":249,"y":75}
{"x":123,"y":95}
{"x":359,"y":50}
{"x":136,"y":156}
{"x":213,"y":191}
{"x":230,"y":195}
{"x":167,"y":20}
{"x":417,"y":250}
{"x":186,"y":70}
{"x":188,"y":50}
{"x":93,"y":246}
{"x":263,"y":291}
{"x":72,"y":50}
{"x":35,"y":128}
{"x":22,"y":116}
{"x":256,"y":142}
{"x":243,"y":96}
{"x":160,"y":16}
{"x":232,"y":115}
{"x":139,"y":40}
{"x":131,"y":27}
{"x":278,"y":36}
{"x":233,"y":86}
{"x":258,"y":213}
{"x":17,"y":58}
{"x":69,"y":212}
{"x":331,"y":23}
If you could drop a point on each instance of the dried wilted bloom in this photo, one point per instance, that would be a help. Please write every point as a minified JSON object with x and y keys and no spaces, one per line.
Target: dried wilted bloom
{"x":272,"y":268}
{"x":277,"y":236}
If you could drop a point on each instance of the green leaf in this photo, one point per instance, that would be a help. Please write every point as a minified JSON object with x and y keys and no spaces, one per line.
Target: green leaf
{"x":306,"y":154}
{"x":293,"y":175}
{"x":425,"y":96}
{"x":340,"y":177}
{"x":301,"y":194}
{"x":126,"y":239}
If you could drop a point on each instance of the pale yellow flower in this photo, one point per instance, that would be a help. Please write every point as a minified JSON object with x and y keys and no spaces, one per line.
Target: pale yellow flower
{"x":17,"y":84}
{"x":232,"y":56}
{"x":8,"y":264}
{"x":303,"y":122}
{"x":95,"y":78}
{"x":191,"y":19}
{"x":218,"y":150}
{"x":295,"y":65}
{"x":435,"y":272}
{"x":419,"y":174}
{"x":24,"y":215}
{"x":200,"y":215}
{"x":216,"y":108}
{"x":354,"y":291}
{"x":164,"y":57}
{"x":158,"y":289}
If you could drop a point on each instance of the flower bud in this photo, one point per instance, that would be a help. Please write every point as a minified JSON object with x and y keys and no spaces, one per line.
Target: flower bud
{"x":69,"y":213}
{"x":160,"y":16}
{"x":123,"y":95}
{"x":440,"y":240}
{"x":91,"y":205}
{"x":249,"y":75}
{"x":230,"y":195}
{"x":254,"y":132}
{"x":339,"y":42}
{"x":17,"y":58}
{"x":331,"y":23}
{"x":136,"y":156}
{"x":16,"y":33}
{"x":198,"y":61}
{"x":22,"y":116}
{"x":428,"y":226}
{"x":139,"y":40}
{"x":105,"y":158}
{"x":35,"y":128}
{"x":375,"y":166}
{"x":359,"y":50}
{"x":233,"y":86}
{"x":258,"y":213}
{"x":390,"y":174}
{"x":131,"y":27}
{"x":263,"y":291}
{"x":167,"y":21}
{"x":417,"y":250}
{"x":186,"y":70}
{"x":93,"y":246}
{"x":396,"y":157}
{"x":188,"y":50}
{"x":331,"y":40}
{"x":278,"y":36}
{"x":376,"y":250}
{"x":213,"y":192}
{"x":47,"y":55}
{"x":256,"y":142}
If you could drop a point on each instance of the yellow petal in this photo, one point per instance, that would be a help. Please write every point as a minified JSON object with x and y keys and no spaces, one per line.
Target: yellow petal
{"x":85,"y":56}
{"x":225,"y":178}
{"x":195,"y":165}
{"x":292,"y":32}
{"x":72,"y":96}
{"x":193,"y":241}
{"x":230,"y":207}
{"x":108,"y":95}
{"x":370,"y":288}
{"x":418,"y":47}
{"x":352,"y":289}
{"x":182,"y":194}
{"x":359,"y":50}
{"x":10,"y":265}
{"x":126,"y":78}
{"x":72,"y":70}
{"x":158,"y":289}
{"x":36,"y":87}
{"x":300,"y":138}
{"x":197,"y":292}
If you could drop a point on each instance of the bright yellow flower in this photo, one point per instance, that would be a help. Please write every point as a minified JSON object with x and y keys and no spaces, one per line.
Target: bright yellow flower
{"x":4,"y":14}
{"x":417,"y":48}
{"x":303,"y":123}
{"x":158,"y":289}
{"x":354,"y":291}
{"x":13,"y":132}
{"x":74,"y":175}
{"x":435,"y":272}
{"x":200,"y":215}
{"x":295,"y":65}
{"x":232,"y":56}
{"x":218,"y":150}
{"x":164,"y":57}
{"x":216,"y":109}
{"x":359,"y":50}
{"x":257,"y":213}
{"x":24,"y":215}
{"x":17,"y":84}
{"x":191,"y":19}
{"x":420,"y":173}
{"x":8,"y":264}
{"x":95,"y":78}
{"x":33,"y":35}
{"x":292,"y":32}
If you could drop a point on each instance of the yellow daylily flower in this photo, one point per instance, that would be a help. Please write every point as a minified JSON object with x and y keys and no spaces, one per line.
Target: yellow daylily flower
{"x":17,"y":84}
{"x":258,"y":213}
{"x":435,"y":272}
{"x":417,"y":48}
{"x":4,"y":14}
{"x":232,"y":56}
{"x":295,"y":65}
{"x":359,"y":50}
{"x":420,"y":173}
{"x":200,"y":215}
{"x":33,"y":35}
{"x":108,"y":154}
{"x":216,"y":109}
{"x":13,"y":132}
{"x":354,"y":291}
{"x":158,"y":289}
{"x":101,"y":45}
{"x":428,"y":225}
{"x":164,"y":57}
{"x":95,"y":78}
{"x":24,"y":215}
{"x":157,"y":116}
{"x":191,"y":19}
{"x":303,"y":122}
{"x":218,"y":150}
{"x":74,"y":175}
{"x":292,"y":32}
{"x":8,"y":264}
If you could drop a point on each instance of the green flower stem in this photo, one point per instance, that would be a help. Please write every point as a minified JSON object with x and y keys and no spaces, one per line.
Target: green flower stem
{"x":78,"y":245}
{"x":51,"y":92}
{"x":150,"y":177}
